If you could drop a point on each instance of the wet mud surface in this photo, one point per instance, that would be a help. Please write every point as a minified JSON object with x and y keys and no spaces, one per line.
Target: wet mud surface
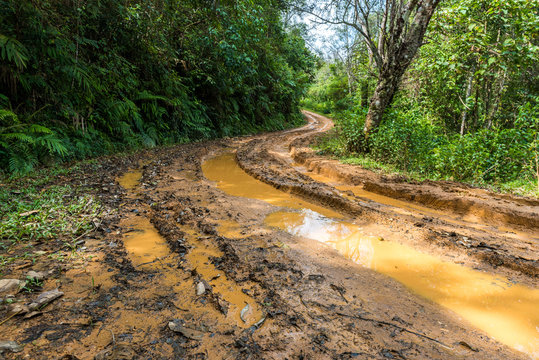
{"x":184,"y":266}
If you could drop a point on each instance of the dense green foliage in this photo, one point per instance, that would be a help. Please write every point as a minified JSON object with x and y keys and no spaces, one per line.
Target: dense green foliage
{"x":83,"y":78}
{"x":468,"y":109}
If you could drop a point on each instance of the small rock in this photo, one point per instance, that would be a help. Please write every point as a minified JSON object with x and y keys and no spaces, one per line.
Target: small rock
{"x":176,"y":326}
{"x":243,"y":312}
{"x":17,"y":309}
{"x":32,"y":314}
{"x":37,"y":275}
{"x":11,"y":346}
{"x":207,"y":285}
{"x":201,"y":289}
{"x":11,"y":286}
{"x":44,"y":299}
{"x":467,"y":346}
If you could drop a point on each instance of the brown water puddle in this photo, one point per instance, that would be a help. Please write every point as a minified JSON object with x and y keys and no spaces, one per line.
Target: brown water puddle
{"x":147,"y":249}
{"x":506,"y":311}
{"x":408,"y":208}
{"x":131,"y":179}
{"x":233,"y":180}
{"x":231,"y":229}
{"x":144,"y":243}
{"x":228,"y":290}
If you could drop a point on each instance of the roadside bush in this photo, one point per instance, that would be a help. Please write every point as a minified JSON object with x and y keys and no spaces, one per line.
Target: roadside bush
{"x":409,"y":141}
{"x":350,"y":128}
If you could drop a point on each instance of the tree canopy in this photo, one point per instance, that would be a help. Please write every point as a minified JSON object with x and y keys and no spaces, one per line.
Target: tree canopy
{"x":81,"y":78}
{"x":467,"y":107}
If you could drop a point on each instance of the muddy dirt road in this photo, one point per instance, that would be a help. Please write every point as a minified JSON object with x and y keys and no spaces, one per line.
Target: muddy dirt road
{"x":257,"y":248}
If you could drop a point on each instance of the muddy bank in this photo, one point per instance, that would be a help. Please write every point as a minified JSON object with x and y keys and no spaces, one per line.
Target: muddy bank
{"x":457,"y":198}
{"x":497,"y":243}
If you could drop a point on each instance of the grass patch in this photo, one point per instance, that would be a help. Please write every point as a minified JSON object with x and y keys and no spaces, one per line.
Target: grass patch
{"x":33,"y":212}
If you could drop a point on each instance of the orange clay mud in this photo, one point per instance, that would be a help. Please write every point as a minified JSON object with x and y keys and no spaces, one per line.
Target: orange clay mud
{"x":506,"y":311}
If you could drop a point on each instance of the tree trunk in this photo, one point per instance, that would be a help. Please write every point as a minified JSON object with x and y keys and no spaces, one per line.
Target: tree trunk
{"x":365,"y":93}
{"x":387,"y":86}
{"x":497,"y":100}
{"x":465,"y":110}
{"x":400,"y":44}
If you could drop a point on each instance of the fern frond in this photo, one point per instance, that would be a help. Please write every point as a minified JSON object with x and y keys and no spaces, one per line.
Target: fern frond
{"x":13,"y":51}
{"x":53,"y":144}
{"x":8,"y":117}
{"x":39,"y":129}
{"x":147,"y":96}
{"x":17,"y":136}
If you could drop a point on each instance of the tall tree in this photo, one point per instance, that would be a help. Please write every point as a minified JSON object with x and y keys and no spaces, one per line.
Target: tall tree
{"x":393,"y":31}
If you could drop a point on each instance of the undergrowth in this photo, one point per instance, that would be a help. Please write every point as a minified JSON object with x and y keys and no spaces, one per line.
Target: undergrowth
{"x":37,"y":213}
{"x":84,"y":80}
{"x":410,"y":144}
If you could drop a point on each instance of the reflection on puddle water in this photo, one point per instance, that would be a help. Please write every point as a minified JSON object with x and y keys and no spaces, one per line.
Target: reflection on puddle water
{"x":506,"y":311}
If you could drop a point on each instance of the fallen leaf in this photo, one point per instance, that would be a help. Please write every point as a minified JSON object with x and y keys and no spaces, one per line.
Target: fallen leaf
{"x":44,"y":299}
{"x":188,"y":333}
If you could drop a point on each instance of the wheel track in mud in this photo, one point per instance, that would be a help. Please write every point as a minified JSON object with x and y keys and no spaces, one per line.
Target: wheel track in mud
{"x":270,"y":159}
{"x":315,"y":311}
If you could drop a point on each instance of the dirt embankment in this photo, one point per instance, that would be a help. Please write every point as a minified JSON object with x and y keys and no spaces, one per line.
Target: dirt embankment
{"x":457,"y":198}
{"x":232,"y":287}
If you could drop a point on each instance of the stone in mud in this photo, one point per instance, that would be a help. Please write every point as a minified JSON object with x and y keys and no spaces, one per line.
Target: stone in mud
{"x":207,"y":285}
{"x":32,"y":314}
{"x":243,"y":312}
{"x":11,"y":286}
{"x":177,"y":327}
{"x":201,"y":289}
{"x":17,"y":309}
{"x":10,"y":346}
{"x":37,"y":275}
{"x":44,"y":299}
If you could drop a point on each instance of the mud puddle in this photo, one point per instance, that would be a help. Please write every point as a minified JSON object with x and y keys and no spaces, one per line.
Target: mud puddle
{"x":408,"y":208}
{"x":234,"y":181}
{"x":148,"y":250}
{"x":506,"y":311}
{"x":231,"y":229}
{"x":143,"y":242}
{"x":131,"y":179}
{"x":240,"y":307}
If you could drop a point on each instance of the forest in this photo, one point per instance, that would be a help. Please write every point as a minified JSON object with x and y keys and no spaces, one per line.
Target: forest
{"x":84,"y":78}
{"x":81,"y":79}
{"x":466,"y":108}
{"x":269,"y":179}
